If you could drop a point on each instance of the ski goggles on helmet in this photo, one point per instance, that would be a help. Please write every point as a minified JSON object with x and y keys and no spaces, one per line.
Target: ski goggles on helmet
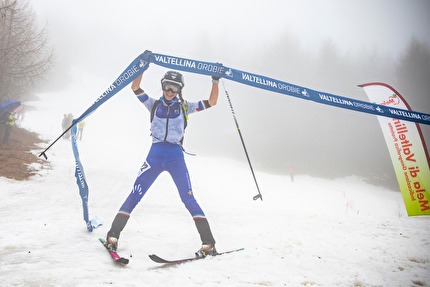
{"x":170,"y":87}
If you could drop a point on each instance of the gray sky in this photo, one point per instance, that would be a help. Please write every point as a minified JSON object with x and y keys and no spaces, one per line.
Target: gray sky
{"x":94,"y":31}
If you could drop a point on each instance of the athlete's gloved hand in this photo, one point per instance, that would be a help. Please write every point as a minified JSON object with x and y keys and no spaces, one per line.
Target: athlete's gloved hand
{"x":146,"y":57}
{"x":217,"y":77}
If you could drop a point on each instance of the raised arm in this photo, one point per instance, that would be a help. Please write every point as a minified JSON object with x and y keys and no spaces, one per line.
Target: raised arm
{"x":135,"y":85}
{"x":213,"y":97}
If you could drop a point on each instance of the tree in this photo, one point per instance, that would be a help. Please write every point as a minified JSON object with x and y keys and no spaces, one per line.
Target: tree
{"x":24,"y":54}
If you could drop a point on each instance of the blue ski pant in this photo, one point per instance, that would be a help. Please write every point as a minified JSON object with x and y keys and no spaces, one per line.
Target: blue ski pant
{"x":164,"y":157}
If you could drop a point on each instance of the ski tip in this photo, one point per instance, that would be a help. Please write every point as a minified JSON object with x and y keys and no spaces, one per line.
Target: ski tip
{"x":157,"y":259}
{"x":122,"y":260}
{"x":231,"y":251}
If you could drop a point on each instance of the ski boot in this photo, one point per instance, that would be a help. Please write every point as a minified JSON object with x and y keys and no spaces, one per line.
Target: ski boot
{"x":205,"y":250}
{"x":112,"y":243}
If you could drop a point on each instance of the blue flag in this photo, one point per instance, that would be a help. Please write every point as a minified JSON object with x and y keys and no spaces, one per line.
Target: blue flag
{"x":137,"y":67}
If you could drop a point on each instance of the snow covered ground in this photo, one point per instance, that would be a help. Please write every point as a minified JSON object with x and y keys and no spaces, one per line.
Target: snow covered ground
{"x":310,"y":232}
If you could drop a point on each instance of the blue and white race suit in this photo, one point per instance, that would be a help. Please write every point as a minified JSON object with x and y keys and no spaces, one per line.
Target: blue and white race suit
{"x":166,"y":153}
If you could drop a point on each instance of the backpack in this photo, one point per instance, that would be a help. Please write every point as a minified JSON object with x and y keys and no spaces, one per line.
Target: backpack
{"x":184,"y":112}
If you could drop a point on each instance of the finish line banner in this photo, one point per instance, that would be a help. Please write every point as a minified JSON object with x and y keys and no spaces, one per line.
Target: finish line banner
{"x":407,"y":149}
{"x":270,"y":84}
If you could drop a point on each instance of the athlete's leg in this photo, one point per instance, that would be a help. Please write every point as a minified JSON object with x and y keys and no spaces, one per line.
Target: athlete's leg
{"x":146,"y":177}
{"x":179,"y":172}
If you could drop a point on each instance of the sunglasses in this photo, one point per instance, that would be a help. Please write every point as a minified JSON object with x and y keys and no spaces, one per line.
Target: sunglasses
{"x":171,"y":88}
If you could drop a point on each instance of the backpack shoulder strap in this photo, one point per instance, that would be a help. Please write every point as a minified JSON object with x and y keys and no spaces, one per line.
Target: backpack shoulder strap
{"x":184,"y":111}
{"x":154,"y":107}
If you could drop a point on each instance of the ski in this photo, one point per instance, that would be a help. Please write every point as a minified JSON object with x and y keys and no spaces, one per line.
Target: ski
{"x":160,"y":260}
{"x":115,"y":256}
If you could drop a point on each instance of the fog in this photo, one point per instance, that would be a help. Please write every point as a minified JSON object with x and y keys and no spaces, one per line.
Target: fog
{"x":330,"y":46}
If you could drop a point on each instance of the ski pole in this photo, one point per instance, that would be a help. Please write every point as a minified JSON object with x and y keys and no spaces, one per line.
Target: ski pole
{"x":259,"y":195}
{"x":43,"y":153}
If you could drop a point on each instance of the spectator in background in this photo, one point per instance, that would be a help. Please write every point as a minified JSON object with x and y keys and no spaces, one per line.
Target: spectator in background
{"x":292,"y":172}
{"x":64,"y":125}
{"x":81,"y":126}
{"x":9,"y":122}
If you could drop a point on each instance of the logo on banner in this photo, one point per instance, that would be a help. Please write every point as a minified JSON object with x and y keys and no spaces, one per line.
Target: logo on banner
{"x":305,"y":93}
{"x":393,"y":100}
{"x":229,"y":73}
{"x":142,"y":63}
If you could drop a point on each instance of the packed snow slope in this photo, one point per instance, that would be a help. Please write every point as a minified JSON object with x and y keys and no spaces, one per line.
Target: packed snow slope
{"x":306,"y":232}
